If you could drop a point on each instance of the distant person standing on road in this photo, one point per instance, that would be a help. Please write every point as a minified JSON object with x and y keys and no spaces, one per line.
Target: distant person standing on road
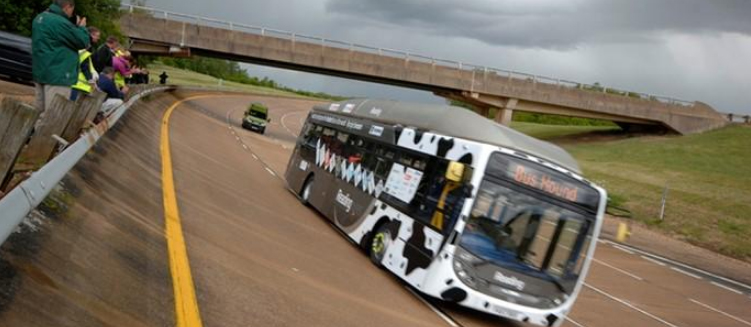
{"x":163,"y":78}
{"x":55,"y":42}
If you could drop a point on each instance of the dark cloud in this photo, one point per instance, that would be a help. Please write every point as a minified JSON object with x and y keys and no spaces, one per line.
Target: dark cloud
{"x":553,"y":23}
{"x":688,"y":49}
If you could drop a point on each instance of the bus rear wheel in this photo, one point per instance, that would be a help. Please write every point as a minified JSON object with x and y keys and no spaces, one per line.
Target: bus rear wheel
{"x":380,"y":243}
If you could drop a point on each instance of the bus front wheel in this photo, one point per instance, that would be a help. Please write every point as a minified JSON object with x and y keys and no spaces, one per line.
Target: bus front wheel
{"x":306,"y":189}
{"x":380,"y":243}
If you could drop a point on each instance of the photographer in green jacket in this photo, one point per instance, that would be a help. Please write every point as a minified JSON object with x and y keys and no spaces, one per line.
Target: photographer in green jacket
{"x":55,"y":42}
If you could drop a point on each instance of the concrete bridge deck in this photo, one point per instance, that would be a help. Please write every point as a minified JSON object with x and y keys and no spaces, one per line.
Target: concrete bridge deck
{"x":170,"y":34}
{"x":98,"y":254}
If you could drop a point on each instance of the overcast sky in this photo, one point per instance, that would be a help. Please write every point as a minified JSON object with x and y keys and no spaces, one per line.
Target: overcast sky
{"x":687,"y":49}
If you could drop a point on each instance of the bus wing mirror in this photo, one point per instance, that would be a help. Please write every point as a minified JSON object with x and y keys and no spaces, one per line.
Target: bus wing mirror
{"x":455,"y":171}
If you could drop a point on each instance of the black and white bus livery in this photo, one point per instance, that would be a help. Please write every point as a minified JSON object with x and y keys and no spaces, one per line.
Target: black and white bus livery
{"x":459,"y":207}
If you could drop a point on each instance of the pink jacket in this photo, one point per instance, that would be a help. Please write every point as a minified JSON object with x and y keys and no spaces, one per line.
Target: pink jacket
{"x":121,"y":65}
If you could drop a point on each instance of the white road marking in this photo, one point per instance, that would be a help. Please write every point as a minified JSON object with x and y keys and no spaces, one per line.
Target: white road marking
{"x":721,"y":312}
{"x":727,"y":288}
{"x":245,"y":146}
{"x":270,"y":171}
{"x":653,"y":261}
{"x":686,"y":273}
{"x":285,"y":125}
{"x":629,"y":305}
{"x":443,"y":316}
{"x":254,"y":156}
{"x":622,"y":249}
{"x":574,"y":322}
{"x":673,"y":262}
{"x":618,"y":270}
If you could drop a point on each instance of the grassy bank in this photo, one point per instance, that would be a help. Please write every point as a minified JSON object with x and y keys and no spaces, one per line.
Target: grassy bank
{"x":708,"y":177}
{"x":555,"y":131}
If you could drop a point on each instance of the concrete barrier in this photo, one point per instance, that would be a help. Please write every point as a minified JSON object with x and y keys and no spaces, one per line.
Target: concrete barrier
{"x":23,"y":198}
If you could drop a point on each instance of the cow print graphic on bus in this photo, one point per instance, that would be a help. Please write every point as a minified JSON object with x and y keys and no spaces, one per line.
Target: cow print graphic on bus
{"x":441,"y":146}
{"x":419,"y":255}
{"x":350,"y":172}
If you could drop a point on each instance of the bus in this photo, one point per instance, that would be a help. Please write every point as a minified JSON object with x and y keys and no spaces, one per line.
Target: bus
{"x":460,"y":208}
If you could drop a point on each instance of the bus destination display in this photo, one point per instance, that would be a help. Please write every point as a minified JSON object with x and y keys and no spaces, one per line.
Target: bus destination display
{"x":542,"y":181}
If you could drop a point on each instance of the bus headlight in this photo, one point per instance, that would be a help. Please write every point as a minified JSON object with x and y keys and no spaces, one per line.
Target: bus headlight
{"x":467,"y":257}
{"x":465,"y":275}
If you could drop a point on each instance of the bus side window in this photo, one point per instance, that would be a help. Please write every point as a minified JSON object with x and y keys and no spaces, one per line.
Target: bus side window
{"x":382,"y":168}
{"x":369,"y":159}
{"x":385,"y":159}
{"x":354,"y":150}
{"x":428,"y":191}
{"x":327,"y":137}
{"x":311,"y":135}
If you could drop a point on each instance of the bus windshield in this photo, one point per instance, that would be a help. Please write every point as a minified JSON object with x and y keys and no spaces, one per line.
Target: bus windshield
{"x":517,"y":231}
{"x":258,"y":114}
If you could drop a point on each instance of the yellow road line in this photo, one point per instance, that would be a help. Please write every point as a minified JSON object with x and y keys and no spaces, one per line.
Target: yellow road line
{"x":186,"y":305}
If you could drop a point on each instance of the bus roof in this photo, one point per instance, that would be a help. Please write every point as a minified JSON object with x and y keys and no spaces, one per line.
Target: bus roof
{"x":451,"y":121}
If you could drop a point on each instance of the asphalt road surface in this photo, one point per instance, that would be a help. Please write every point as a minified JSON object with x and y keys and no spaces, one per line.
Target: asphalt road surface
{"x":99,"y":256}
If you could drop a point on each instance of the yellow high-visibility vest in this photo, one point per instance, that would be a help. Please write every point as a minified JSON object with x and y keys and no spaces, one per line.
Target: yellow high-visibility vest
{"x":83,"y":84}
{"x":119,"y":80}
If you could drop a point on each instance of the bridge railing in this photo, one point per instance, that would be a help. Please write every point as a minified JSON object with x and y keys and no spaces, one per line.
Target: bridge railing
{"x":407,"y":56}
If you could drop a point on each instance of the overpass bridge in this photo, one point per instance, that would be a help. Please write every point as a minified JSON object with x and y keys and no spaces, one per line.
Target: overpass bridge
{"x":159,"y":32}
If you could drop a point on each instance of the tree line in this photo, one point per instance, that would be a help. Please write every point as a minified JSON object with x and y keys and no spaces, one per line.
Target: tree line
{"x":544,"y":119}
{"x":17,"y":16}
{"x":231,"y":71}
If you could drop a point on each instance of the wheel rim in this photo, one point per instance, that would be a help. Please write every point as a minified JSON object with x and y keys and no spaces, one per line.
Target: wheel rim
{"x":381,"y":242}
{"x":306,"y":191}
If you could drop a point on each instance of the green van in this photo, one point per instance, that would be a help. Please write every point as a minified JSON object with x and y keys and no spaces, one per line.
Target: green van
{"x":256,"y":117}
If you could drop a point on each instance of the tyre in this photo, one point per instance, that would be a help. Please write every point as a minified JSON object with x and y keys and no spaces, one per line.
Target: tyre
{"x":262,"y":130}
{"x":306,"y":190}
{"x":380,"y":243}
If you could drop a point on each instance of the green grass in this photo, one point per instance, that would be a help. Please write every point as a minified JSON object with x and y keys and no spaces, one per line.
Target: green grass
{"x":708,"y":178}
{"x":541,"y":131}
{"x":189,"y":78}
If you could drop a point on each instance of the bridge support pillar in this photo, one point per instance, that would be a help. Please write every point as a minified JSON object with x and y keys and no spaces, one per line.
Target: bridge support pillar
{"x":505,"y":114}
{"x":483,"y":103}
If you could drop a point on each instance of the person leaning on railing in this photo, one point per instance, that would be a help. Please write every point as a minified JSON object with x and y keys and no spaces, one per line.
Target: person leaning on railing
{"x":115,"y":95}
{"x":55,"y":42}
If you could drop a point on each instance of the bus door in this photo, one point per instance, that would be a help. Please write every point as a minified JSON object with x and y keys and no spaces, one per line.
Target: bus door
{"x":303,"y":159}
{"x":422,"y":239}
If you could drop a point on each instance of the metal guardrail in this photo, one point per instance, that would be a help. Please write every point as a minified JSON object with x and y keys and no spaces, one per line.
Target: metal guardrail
{"x":27,"y":195}
{"x":409,"y":56}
